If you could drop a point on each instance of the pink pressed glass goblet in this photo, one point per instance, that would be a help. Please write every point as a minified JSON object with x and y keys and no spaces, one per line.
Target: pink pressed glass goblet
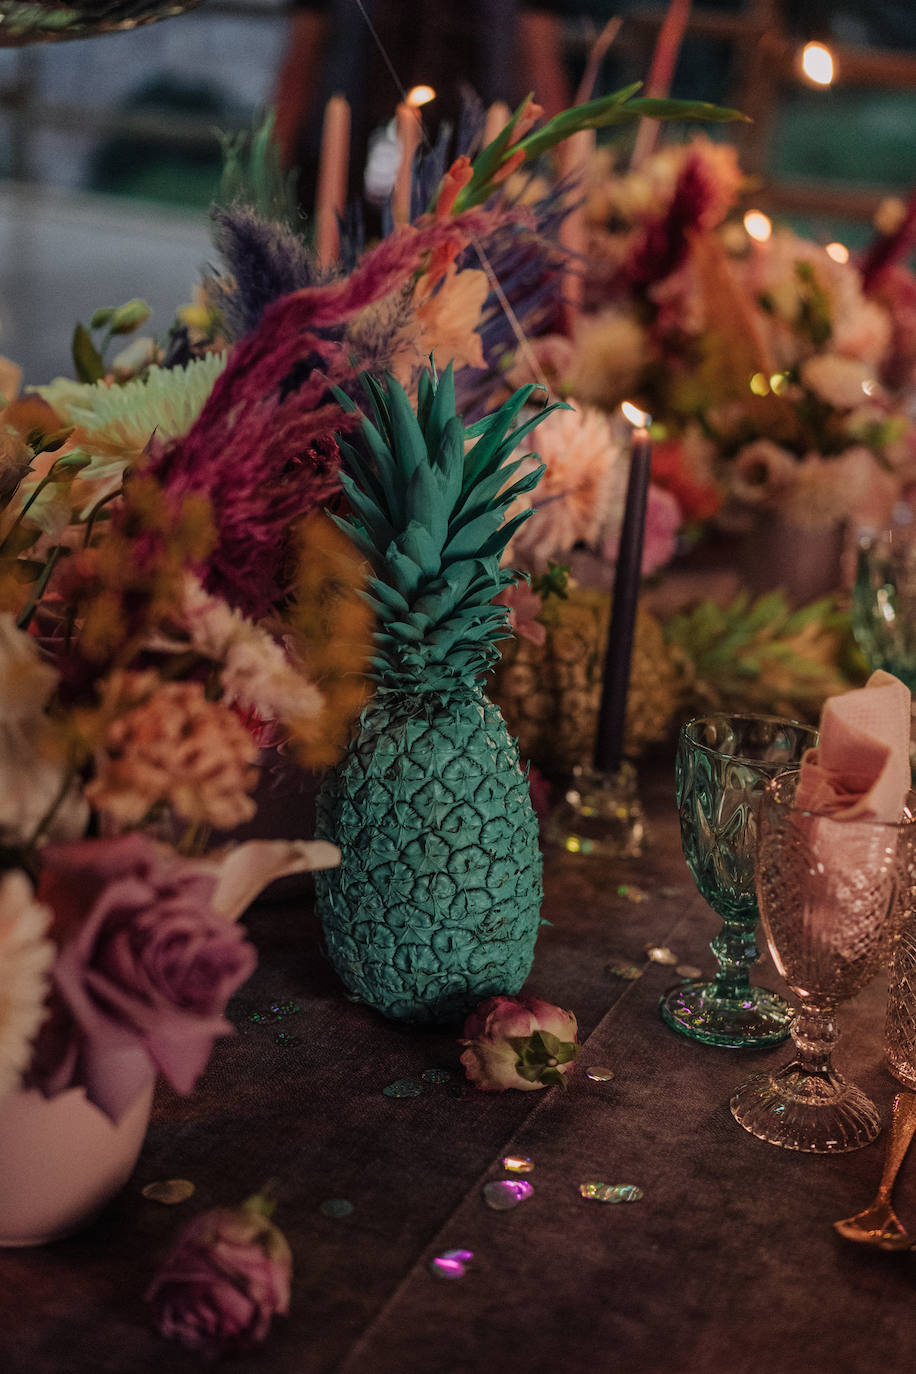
{"x":832,"y":896}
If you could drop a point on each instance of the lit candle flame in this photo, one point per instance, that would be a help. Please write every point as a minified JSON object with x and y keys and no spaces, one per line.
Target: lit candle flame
{"x":758,"y":225}
{"x":419,"y":95}
{"x":639,"y":419}
{"x":838,"y":251}
{"x":817,"y":64}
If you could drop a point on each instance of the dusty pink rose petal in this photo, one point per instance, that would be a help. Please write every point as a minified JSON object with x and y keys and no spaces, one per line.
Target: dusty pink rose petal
{"x":144,"y":970}
{"x":225,"y":1279}
{"x":493,"y":1062}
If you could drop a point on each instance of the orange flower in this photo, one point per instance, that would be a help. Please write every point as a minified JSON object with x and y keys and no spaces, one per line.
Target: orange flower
{"x":454,"y":181}
{"x":172,"y":748}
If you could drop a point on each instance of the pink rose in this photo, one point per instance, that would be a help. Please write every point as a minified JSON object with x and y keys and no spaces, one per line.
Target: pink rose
{"x":227,"y":1275}
{"x":144,"y":970}
{"x":518,"y":1042}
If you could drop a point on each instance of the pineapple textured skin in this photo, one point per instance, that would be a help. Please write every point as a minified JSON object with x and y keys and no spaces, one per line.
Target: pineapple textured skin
{"x":436,"y":901}
{"x":436,"y":904}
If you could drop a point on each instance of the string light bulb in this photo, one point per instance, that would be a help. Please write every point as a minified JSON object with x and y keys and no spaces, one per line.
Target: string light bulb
{"x":817,"y":64}
{"x":838,"y":251}
{"x":758,"y":225}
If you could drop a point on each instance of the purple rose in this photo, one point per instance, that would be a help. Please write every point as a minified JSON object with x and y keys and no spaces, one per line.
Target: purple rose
{"x":227,"y":1275}
{"x":144,"y":970}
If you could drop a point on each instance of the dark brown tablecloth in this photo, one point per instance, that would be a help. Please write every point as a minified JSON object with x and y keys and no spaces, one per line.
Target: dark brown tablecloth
{"x":728,"y":1263}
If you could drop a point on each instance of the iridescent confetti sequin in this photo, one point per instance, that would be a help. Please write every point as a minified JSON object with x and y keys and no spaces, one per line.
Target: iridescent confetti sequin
{"x":403,"y":1087}
{"x":660,"y":954}
{"x":276,"y":1011}
{"x":688,"y":971}
{"x":632,"y":892}
{"x":437,"y":1075}
{"x":505,"y":1193}
{"x":170,"y":1190}
{"x":611,"y":1192}
{"x":451,"y":1264}
{"x":336,"y":1207}
{"x":518,"y":1164}
{"x":598,"y":1074}
{"x":284,"y":1038}
{"x":621,"y":969}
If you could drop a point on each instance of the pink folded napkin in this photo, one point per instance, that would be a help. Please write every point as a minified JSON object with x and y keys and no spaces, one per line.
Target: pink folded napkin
{"x":860,"y":769}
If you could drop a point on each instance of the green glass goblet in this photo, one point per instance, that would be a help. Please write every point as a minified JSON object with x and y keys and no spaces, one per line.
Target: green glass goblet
{"x":723,"y":764}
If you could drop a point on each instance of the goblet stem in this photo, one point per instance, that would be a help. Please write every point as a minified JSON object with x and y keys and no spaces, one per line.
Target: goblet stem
{"x":736,"y":951}
{"x":814,"y":1034}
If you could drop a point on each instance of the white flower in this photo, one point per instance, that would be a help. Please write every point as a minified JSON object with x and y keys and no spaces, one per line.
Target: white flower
{"x":25,"y":959}
{"x":837,"y":380}
{"x":573,"y":501}
{"x":826,"y":489}
{"x":612,"y":349}
{"x":166,"y":401}
{"x":761,"y":472}
{"x":26,"y":683}
{"x":255,"y":672}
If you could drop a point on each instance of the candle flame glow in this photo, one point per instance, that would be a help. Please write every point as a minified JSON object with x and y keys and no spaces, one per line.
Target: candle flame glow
{"x":838,"y":251}
{"x":817,"y":64}
{"x":419,"y":95}
{"x":640,"y":419}
{"x":758,"y":225}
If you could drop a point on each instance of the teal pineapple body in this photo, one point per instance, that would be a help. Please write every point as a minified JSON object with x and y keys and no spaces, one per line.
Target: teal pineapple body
{"x":436,"y":903}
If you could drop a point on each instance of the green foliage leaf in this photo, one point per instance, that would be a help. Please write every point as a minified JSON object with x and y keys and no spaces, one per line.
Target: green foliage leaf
{"x":620,"y":107}
{"x":87,"y":360}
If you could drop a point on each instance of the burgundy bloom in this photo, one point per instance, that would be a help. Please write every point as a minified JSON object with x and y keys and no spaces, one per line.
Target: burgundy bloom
{"x":665,"y":241}
{"x":144,"y":970}
{"x":262,"y":449}
{"x":227,"y":1275}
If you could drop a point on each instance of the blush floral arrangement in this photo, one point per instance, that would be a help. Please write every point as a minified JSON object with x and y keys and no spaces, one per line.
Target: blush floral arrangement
{"x":777,"y":370}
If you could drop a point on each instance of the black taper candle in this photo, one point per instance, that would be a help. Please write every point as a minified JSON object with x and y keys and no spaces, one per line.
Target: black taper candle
{"x":612,"y":712}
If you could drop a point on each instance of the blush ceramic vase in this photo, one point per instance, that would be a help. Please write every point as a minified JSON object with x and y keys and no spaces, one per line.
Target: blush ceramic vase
{"x":61,"y":1161}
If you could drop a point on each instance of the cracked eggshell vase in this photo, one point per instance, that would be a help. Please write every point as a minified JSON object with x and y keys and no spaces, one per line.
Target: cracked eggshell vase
{"x":61,"y":1161}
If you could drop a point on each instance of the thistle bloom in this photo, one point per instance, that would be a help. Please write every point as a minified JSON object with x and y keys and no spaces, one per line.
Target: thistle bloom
{"x":518,"y":1042}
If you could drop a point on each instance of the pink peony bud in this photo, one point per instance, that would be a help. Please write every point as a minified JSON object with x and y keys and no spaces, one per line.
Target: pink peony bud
{"x":518,"y":1042}
{"x":227,"y":1275}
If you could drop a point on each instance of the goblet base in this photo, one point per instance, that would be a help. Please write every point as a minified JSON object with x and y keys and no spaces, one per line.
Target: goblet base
{"x":699,"y":1010}
{"x":817,"y":1112}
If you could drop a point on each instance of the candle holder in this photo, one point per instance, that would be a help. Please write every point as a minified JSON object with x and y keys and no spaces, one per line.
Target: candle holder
{"x":600,"y":815}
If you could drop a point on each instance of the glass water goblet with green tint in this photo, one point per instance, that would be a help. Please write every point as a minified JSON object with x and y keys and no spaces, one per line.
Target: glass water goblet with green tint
{"x":723,"y":764}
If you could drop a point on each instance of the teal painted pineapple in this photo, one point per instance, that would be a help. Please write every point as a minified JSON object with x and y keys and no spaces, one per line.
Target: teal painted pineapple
{"x":436,"y":903}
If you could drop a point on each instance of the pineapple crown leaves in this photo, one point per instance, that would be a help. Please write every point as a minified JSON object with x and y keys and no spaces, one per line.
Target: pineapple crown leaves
{"x":429,"y":515}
